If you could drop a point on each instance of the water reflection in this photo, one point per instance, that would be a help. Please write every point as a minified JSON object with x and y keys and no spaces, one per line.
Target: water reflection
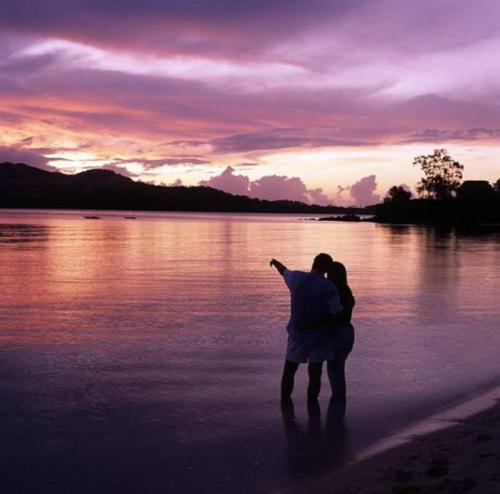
{"x":169,"y":331}
{"x":13,"y":233}
{"x":315,"y":448}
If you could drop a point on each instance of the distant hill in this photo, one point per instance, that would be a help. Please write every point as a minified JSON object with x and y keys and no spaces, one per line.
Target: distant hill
{"x":23,"y":186}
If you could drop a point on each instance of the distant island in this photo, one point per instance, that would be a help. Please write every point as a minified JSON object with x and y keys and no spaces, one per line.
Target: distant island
{"x":23,"y":186}
{"x":445,"y":203}
{"x":444,"y":199}
{"x":475,"y":202}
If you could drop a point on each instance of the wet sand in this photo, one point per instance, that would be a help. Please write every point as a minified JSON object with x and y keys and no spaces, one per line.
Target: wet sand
{"x":464,"y":457}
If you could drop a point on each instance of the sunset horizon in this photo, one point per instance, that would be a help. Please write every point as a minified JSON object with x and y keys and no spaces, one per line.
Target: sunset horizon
{"x":249,"y":246}
{"x":340,"y":94}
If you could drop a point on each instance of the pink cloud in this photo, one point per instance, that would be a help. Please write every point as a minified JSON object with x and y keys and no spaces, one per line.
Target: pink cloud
{"x":317,"y":196}
{"x":226,"y":28}
{"x":393,"y":73}
{"x":275,"y":187}
{"x":149,"y":164}
{"x":121,"y":170}
{"x":15,"y":154}
{"x":363,"y":191}
{"x":271,"y":187}
{"x":227,"y":181}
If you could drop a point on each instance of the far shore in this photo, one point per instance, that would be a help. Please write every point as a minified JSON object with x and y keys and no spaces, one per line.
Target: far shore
{"x":325,"y":217}
{"x":354,"y":218}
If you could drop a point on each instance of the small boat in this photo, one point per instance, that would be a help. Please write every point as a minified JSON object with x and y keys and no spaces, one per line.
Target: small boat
{"x":130,"y":216}
{"x":94,"y":216}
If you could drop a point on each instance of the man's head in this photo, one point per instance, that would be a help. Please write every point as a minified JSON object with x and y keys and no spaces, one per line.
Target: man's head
{"x":322,"y":263}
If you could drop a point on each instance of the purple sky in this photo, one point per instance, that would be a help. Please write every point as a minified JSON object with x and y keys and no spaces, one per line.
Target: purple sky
{"x":323,"y":101}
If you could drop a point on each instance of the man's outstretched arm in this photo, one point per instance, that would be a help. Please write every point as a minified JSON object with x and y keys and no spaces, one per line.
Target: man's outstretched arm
{"x":279,"y":267}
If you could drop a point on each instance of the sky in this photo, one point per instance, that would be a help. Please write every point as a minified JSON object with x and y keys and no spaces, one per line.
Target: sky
{"x":315,"y":100}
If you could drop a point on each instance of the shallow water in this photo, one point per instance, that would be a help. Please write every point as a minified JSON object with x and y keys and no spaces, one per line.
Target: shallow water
{"x":144,"y":355}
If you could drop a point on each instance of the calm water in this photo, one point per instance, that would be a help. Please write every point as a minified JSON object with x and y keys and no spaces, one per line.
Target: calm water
{"x":145,"y":356}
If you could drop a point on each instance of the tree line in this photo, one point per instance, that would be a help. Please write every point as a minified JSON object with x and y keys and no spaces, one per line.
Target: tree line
{"x":442,"y":195}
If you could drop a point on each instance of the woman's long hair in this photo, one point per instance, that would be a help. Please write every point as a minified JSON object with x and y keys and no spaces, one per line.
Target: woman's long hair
{"x":338,"y":274}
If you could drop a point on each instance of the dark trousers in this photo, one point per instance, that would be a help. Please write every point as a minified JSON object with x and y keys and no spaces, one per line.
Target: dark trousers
{"x":287,"y":381}
{"x":336,"y":375}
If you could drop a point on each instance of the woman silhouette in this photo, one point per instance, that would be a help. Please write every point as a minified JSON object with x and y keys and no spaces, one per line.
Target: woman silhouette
{"x":342,"y":332}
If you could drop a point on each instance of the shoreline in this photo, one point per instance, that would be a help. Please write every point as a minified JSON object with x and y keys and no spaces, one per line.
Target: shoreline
{"x":304,"y":216}
{"x":146,"y":212}
{"x":458,"y":411}
{"x":454,"y":450}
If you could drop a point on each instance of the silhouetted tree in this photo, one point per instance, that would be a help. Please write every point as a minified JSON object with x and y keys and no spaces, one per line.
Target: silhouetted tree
{"x":442,"y":174}
{"x":397,"y":194}
{"x":496,"y":186}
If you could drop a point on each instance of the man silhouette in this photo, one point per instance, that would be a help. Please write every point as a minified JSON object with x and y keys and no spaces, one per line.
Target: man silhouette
{"x":313,"y":299}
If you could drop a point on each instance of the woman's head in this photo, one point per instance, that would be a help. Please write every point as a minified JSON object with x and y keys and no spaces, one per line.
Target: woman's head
{"x":337,"y":273}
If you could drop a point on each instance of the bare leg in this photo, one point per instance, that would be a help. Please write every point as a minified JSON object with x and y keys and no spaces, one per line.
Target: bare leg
{"x":288,"y":378}
{"x":314,"y":387}
{"x":336,"y":374}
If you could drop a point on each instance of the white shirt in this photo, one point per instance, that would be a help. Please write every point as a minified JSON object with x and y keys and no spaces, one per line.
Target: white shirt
{"x":313,"y":298}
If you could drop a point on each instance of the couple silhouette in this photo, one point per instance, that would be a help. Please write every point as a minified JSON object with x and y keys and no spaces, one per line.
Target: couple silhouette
{"x":319,"y":328}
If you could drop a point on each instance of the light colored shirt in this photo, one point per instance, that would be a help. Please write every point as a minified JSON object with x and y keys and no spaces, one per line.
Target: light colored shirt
{"x":313,"y":299}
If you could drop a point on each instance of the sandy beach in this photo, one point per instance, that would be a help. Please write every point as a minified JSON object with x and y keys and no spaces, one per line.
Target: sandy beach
{"x":464,"y":457}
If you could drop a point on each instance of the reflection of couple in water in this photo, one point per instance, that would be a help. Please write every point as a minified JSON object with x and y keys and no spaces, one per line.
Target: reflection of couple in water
{"x":319,"y":329}
{"x":314,"y":447}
